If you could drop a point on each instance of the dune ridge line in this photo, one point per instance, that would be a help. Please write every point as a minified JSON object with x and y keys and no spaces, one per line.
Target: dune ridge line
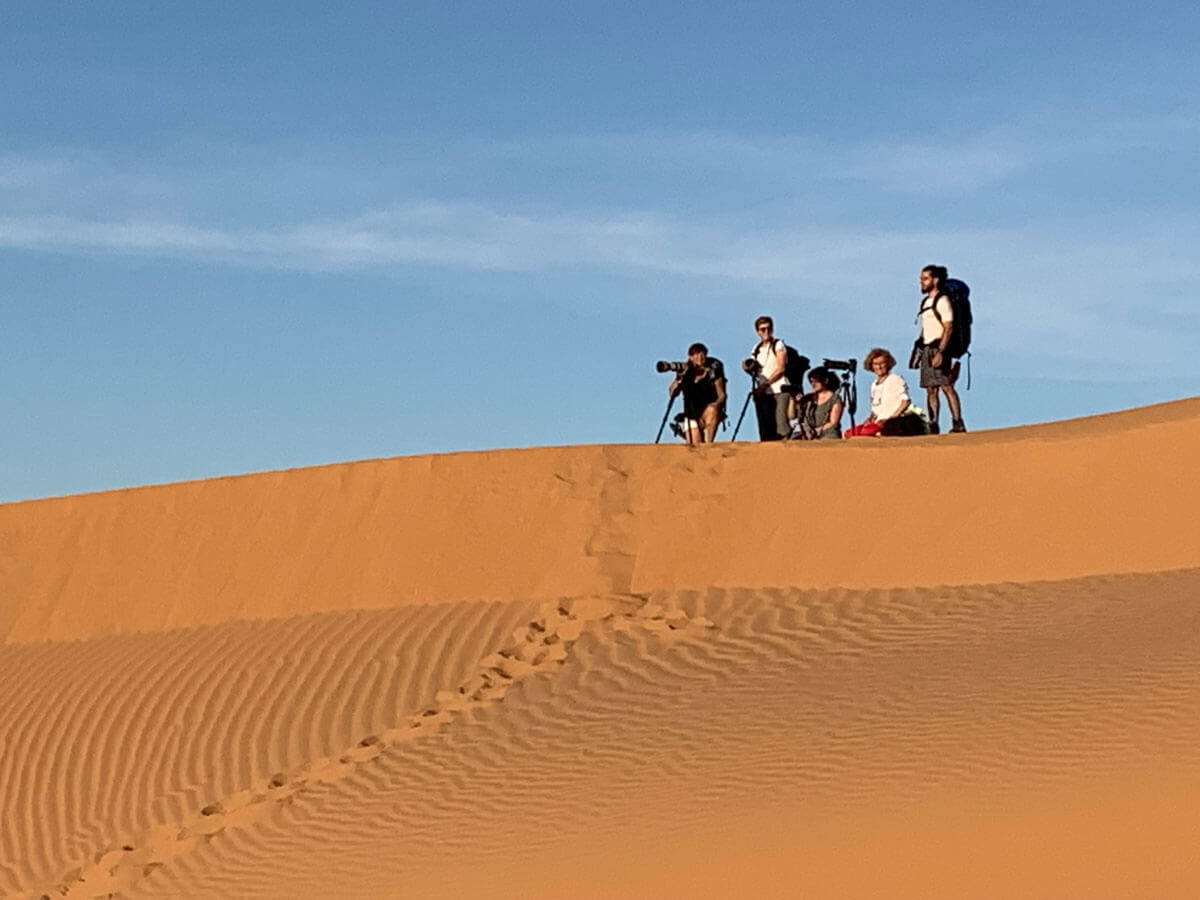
{"x":424,"y":530}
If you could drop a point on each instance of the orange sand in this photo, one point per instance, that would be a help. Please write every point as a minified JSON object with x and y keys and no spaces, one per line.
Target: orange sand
{"x":616,"y":671}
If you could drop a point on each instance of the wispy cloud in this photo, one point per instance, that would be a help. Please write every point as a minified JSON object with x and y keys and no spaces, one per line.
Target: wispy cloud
{"x":515,"y":240}
{"x":1047,"y":279}
{"x":1044,"y":282}
{"x":18,"y":172}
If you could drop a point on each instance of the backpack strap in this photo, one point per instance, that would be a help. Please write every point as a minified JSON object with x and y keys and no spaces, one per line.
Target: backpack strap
{"x":774,"y":341}
{"x":933,"y":307}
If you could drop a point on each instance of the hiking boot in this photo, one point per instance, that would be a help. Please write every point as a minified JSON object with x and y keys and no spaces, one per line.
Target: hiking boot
{"x":934,"y":429}
{"x":958,"y":426}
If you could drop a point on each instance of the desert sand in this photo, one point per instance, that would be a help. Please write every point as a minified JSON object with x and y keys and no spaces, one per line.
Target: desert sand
{"x":618,"y":671}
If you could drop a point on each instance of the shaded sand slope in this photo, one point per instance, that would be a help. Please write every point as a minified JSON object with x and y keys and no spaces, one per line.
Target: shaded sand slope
{"x":588,"y":672}
{"x":1078,"y":498}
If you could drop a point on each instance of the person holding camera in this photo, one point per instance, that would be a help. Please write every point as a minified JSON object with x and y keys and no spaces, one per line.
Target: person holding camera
{"x":937,"y":324}
{"x":768,"y":365}
{"x":892,"y":411}
{"x":821,"y":411}
{"x":703,"y":386}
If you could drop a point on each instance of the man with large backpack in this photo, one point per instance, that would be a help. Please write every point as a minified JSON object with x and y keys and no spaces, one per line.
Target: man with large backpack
{"x":768,"y":365}
{"x":945,"y":318}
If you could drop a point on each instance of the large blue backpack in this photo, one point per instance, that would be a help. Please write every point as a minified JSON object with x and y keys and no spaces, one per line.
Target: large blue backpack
{"x":959,"y":296}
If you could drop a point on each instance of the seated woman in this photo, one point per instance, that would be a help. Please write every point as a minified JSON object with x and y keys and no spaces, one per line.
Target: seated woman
{"x":892,"y":411}
{"x":821,"y":414}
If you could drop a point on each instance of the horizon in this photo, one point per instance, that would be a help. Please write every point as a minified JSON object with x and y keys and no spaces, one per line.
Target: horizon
{"x":238,"y":241}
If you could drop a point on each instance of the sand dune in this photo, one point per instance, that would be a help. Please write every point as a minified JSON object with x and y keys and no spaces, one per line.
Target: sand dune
{"x":598,"y":672}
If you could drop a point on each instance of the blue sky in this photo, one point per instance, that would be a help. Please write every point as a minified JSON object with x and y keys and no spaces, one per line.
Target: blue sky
{"x":253,"y":236}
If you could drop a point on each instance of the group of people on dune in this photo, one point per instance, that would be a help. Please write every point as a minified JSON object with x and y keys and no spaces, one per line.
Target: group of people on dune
{"x":783,"y":409}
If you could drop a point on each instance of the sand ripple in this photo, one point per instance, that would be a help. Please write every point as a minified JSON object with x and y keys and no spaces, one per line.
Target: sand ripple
{"x":359,"y":753}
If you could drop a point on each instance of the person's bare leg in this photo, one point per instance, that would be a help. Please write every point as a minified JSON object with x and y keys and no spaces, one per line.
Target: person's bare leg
{"x":953,"y":402}
{"x":710,"y":420}
{"x":934,"y":402}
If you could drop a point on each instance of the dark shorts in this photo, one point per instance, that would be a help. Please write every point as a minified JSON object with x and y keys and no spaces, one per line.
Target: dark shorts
{"x":934,"y":376}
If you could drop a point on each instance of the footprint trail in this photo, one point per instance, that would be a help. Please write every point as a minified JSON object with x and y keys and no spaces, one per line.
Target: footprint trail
{"x":538,"y":648}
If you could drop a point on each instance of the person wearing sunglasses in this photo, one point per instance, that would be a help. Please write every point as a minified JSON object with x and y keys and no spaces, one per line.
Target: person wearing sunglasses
{"x":771,"y":396}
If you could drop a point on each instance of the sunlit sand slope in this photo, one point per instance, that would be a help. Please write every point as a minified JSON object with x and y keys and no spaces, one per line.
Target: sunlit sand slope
{"x":280,"y":685}
{"x":1086,"y":497}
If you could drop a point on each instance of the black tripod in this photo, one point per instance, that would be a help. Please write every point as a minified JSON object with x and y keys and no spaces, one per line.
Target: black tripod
{"x":848,"y":388}
{"x":745,"y":406}
{"x":753,"y":373}
{"x":666,"y":416}
{"x":662,"y":425}
{"x":849,"y":392}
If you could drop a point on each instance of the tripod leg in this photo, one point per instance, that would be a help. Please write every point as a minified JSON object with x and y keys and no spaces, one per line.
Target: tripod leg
{"x":745,"y":406}
{"x":666,"y":416}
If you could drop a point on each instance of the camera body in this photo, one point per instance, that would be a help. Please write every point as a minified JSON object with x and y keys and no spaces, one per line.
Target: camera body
{"x":842,"y":365}
{"x":671,"y":366}
{"x":751,"y":366}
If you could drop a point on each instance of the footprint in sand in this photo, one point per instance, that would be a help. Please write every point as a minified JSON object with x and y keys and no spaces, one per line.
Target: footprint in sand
{"x":542,"y":645}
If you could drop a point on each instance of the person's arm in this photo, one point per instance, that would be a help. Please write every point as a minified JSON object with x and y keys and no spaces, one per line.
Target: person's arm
{"x":834,"y":422}
{"x":781,"y":359}
{"x":673,"y":390}
{"x":719,"y":384}
{"x":947,"y":328}
{"x":946,"y":317}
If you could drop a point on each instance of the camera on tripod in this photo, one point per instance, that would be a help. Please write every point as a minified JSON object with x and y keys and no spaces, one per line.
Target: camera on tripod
{"x":751,"y":366}
{"x":842,"y":385}
{"x":842,"y":365}
{"x":848,"y":389}
{"x":664,"y":365}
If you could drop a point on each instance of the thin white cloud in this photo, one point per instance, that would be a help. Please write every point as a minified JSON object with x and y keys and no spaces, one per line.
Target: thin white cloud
{"x":24,"y":173}
{"x":1040,"y":282}
{"x":1043,"y":284}
{"x":481,"y":237}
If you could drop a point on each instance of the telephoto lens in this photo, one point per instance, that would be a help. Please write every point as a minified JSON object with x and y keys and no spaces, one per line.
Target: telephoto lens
{"x":664,"y":366}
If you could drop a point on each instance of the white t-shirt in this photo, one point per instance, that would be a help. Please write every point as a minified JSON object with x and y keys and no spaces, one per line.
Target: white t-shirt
{"x":931,"y":328}
{"x":889,"y":397}
{"x":764,"y":355}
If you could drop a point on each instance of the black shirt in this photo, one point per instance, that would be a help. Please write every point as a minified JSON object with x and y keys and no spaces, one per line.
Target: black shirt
{"x":700,"y":389}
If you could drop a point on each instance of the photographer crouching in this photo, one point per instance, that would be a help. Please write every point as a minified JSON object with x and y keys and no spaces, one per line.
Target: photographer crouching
{"x":701,"y":380}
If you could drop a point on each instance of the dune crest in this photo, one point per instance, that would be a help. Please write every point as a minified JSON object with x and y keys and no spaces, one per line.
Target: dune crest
{"x":1086,"y":497}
